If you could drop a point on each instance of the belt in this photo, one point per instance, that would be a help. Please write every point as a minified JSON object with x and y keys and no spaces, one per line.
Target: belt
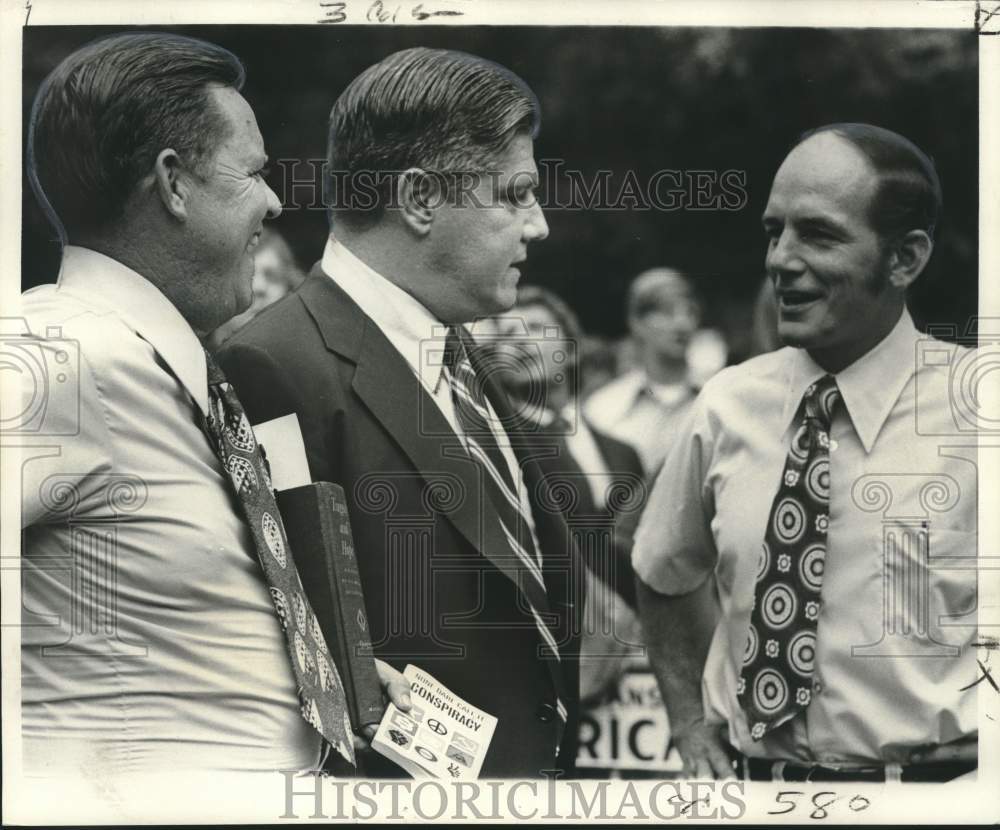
{"x":762,"y":769}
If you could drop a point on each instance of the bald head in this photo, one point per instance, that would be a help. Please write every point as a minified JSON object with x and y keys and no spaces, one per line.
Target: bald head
{"x":840,"y":279}
{"x":826,"y":172}
{"x":908,"y":191}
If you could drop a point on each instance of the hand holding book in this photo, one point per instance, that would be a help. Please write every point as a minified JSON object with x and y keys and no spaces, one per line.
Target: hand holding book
{"x":395,"y":690}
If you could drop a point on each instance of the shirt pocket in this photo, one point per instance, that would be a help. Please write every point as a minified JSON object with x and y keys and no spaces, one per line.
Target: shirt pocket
{"x":927,"y":589}
{"x":953,"y":582}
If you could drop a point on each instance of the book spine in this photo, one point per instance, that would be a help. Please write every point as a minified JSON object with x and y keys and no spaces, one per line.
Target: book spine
{"x":357,"y":659}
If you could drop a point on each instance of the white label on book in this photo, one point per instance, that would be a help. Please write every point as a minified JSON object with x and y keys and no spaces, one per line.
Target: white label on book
{"x":286,"y":451}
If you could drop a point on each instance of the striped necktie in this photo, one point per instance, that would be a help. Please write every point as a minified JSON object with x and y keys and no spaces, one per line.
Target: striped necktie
{"x":321,"y":692}
{"x":474,"y":416}
{"x":776,"y":680}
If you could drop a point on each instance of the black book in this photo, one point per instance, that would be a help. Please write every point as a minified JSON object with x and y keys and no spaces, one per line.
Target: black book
{"x":319,"y":533}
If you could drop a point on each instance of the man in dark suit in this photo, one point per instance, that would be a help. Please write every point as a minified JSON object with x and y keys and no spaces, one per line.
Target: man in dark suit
{"x":466,"y":563}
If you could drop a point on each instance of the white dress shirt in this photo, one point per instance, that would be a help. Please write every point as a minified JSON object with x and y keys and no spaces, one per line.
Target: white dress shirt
{"x":643,"y":414}
{"x":889,"y":663}
{"x":149,"y":642}
{"x":419,"y":338}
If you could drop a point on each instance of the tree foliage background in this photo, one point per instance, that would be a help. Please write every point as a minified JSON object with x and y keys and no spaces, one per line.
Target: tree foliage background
{"x":629,"y":99}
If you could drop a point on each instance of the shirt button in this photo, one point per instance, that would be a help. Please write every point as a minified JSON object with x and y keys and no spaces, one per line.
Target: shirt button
{"x":546,"y":712}
{"x":817,"y":687}
{"x":833,"y":445}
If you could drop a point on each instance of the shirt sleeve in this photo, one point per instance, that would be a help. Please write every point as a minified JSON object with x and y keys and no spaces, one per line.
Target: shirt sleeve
{"x":674,"y":547}
{"x":70,"y":443}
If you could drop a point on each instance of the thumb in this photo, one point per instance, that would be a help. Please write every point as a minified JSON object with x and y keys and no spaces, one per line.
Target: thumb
{"x":394,"y":684}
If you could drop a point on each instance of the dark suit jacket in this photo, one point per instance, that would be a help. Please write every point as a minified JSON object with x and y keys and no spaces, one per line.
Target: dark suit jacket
{"x":624,"y":503}
{"x":440,"y":587}
{"x":624,"y":463}
{"x":619,"y":456}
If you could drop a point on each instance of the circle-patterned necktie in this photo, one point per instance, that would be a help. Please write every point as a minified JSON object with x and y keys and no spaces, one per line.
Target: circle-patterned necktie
{"x":776,"y":679}
{"x":321,"y":692}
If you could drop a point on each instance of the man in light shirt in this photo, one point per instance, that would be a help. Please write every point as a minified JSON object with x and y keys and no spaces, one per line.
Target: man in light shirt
{"x":151,"y":640}
{"x":467,"y":566}
{"x":802,"y":481}
{"x":644,"y":406}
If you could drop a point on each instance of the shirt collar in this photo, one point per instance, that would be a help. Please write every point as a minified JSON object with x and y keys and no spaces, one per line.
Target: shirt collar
{"x":666,"y":394}
{"x":403,"y":319}
{"x":869,"y":387}
{"x":636,"y":384}
{"x":142,"y":307}
{"x":632,"y":385}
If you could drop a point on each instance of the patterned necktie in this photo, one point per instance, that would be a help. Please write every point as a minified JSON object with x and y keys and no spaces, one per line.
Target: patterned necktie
{"x":474,"y":416}
{"x":321,"y":692}
{"x":776,"y":680}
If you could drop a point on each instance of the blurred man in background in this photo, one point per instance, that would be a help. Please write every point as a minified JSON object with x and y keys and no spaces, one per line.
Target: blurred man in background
{"x":801,"y":481}
{"x":598,"y":364}
{"x":537,"y":356}
{"x":644,"y":406}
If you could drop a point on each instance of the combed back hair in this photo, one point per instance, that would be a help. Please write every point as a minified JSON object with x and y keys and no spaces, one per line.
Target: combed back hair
{"x":105,"y":113}
{"x":442,"y":111}
{"x":646,"y":291}
{"x":909,"y":190}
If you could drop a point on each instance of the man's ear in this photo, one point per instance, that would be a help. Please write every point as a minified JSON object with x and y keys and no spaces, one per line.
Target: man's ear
{"x":419,"y":194}
{"x":909,"y":258}
{"x":170,"y":183}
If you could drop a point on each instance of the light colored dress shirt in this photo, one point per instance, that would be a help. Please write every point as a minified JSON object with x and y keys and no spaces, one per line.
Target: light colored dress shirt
{"x":418,"y":336}
{"x":643,"y":414}
{"x":889,"y":660}
{"x":150,"y":642}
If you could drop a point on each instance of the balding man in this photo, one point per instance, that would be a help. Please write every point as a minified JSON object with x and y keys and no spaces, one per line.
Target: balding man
{"x":800,"y":482}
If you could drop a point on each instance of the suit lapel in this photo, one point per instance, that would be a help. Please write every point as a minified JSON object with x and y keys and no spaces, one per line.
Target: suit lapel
{"x":397,"y":399}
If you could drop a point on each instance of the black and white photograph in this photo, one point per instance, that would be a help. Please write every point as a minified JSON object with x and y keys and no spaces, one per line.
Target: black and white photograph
{"x":464,"y":411}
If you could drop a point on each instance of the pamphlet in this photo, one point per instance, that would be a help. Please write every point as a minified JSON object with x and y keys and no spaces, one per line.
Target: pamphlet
{"x":442,"y":736}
